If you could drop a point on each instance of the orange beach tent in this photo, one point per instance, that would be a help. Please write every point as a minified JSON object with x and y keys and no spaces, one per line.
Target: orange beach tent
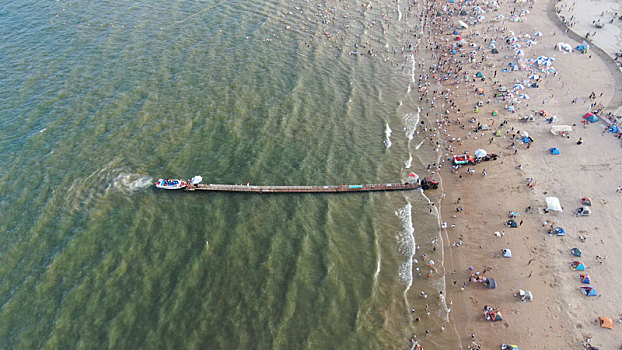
{"x":606,"y":322}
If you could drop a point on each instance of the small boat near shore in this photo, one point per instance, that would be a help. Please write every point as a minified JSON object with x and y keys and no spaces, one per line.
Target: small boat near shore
{"x":171,"y":184}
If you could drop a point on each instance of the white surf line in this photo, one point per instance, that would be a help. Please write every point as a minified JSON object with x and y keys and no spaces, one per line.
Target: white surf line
{"x":445,"y":237}
{"x":406,"y":246}
{"x":409,"y":161}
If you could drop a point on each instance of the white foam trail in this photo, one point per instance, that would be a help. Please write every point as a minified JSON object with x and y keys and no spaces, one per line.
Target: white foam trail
{"x":399,"y":14}
{"x":132,"y":182}
{"x":387,"y":135}
{"x":406,"y":245}
{"x":410,"y":123}
{"x":409,"y":161}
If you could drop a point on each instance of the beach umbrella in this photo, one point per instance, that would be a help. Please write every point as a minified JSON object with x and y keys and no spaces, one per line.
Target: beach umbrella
{"x":527,"y":35}
{"x":519,"y":86}
{"x":538,"y":34}
{"x":511,"y":108}
{"x":534,"y":77}
{"x":520,"y":53}
{"x":524,"y":96}
{"x":480,"y":153}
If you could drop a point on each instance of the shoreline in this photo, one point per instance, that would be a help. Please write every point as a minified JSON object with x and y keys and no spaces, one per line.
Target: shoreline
{"x":477,"y":204}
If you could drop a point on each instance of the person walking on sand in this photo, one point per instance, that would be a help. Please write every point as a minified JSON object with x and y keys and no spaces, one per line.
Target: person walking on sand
{"x":580,"y":141}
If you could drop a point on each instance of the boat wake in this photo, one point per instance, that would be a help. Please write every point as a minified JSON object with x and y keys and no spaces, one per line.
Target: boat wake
{"x":406,"y":245}
{"x":131,"y":182}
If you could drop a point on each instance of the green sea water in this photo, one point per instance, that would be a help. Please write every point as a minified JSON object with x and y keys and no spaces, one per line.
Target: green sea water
{"x":98,"y":99}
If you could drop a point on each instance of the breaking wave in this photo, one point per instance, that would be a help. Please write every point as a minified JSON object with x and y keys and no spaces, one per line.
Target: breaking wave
{"x":406,"y":245}
{"x":410,"y":123}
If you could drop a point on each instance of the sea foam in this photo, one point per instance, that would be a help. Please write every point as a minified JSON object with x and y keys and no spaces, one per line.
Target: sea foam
{"x":406,"y":245}
{"x":408,"y":163}
{"x":410,"y":123}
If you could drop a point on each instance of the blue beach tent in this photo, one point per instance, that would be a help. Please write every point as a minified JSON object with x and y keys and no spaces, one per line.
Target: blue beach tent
{"x":585,"y":278}
{"x":554,"y":150}
{"x":560,"y":231}
{"x":589,"y":291}
{"x":613,"y":128}
{"x":592,"y":118}
{"x":577,"y":266}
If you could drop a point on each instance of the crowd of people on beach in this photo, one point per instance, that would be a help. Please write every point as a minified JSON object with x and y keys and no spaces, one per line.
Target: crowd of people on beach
{"x":486,"y":65}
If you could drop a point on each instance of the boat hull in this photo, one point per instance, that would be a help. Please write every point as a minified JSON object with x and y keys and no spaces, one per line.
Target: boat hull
{"x":170,"y":184}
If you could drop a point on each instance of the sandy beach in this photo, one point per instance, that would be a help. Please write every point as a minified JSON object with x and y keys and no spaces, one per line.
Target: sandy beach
{"x":478,"y":199}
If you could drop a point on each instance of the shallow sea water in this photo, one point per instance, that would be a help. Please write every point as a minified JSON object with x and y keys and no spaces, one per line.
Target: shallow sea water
{"x":100,"y":99}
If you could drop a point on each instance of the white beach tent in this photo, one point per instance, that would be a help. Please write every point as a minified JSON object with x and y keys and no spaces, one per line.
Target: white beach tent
{"x":480,"y":153}
{"x":563,"y":47}
{"x":463,"y":25}
{"x":552,"y":203}
{"x":558,"y":129}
